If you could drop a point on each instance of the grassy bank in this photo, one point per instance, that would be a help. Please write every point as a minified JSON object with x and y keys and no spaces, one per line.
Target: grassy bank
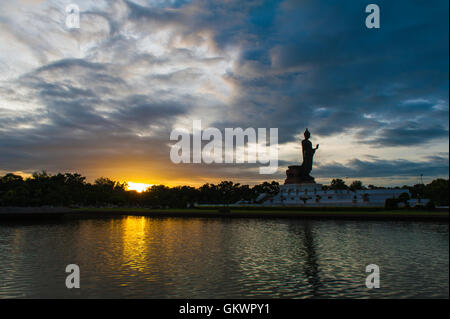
{"x":272,"y":212}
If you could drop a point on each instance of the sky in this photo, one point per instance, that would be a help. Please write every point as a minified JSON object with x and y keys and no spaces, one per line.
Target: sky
{"x":103,"y":99}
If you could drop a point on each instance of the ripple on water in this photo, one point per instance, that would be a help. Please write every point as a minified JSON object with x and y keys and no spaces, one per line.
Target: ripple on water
{"x":224,"y":258}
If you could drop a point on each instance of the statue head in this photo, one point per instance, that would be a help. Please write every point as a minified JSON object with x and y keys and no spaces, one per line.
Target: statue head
{"x":307,"y":134}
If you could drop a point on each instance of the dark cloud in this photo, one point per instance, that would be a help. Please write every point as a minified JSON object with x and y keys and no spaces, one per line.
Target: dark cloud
{"x":67,"y":64}
{"x":139,"y":111}
{"x":410,"y":134}
{"x":361,"y":78}
{"x":433,"y":166}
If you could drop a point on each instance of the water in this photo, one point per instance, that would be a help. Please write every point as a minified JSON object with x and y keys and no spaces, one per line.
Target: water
{"x":142,"y":257}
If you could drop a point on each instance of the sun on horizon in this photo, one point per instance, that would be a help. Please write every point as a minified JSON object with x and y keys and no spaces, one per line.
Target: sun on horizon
{"x":138,"y":187}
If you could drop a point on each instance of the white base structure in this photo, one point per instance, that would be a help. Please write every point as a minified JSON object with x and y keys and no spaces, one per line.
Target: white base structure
{"x":313,"y":195}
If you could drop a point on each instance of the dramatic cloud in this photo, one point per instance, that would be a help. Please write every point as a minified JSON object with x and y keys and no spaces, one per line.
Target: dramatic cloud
{"x":434,"y":166}
{"x":104,"y":98}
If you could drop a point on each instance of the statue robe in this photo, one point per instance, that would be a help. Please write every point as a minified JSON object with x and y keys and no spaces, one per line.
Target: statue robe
{"x":308,"y":153}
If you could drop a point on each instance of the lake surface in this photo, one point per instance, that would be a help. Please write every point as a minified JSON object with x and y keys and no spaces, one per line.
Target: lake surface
{"x":143,"y":257}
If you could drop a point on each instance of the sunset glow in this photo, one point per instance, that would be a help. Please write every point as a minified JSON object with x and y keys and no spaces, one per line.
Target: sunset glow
{"x":138,"y":187}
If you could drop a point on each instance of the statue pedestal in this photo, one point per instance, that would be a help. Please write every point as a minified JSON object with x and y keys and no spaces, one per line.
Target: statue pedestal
{"x":296,"y":175}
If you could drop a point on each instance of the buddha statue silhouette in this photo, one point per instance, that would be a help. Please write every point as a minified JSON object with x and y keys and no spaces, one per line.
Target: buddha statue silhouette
{"x":308,"y":153}
{"x":299,"y":174}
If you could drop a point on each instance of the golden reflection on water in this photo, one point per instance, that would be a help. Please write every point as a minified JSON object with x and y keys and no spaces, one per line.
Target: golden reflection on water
{"x":145,"y":240}
{"x":135,"y":242}
{"x":153,"y":249}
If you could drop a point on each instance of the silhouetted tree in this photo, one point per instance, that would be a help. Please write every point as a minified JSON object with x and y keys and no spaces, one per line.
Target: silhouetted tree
{"x":356,"y":185}
{"x":403,"y":198}
{"x":437,"y":191}
{"x":418,"y":191}
{"x":338,"y":183}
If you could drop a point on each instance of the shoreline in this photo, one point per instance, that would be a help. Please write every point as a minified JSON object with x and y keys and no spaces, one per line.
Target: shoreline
{"x":292,"y":214}
{"x":46,"y":213}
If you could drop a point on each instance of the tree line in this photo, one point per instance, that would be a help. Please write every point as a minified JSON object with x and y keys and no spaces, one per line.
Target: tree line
{"x":72,"y":189}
